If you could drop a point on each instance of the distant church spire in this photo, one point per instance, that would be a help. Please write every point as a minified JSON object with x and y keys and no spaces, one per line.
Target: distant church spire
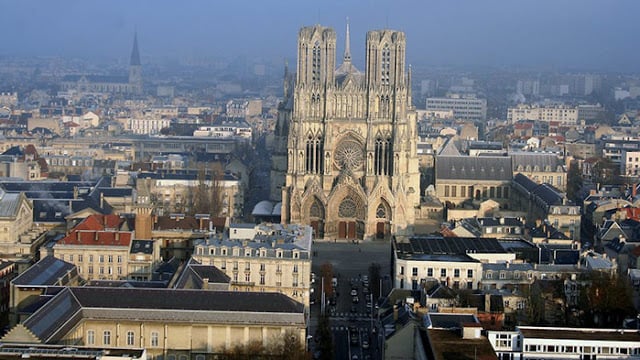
{"x":347,"y":45}
{"x":135,"y":54}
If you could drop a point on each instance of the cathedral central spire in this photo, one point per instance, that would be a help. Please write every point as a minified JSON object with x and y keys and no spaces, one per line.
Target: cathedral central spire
{"x":347,"y":46}
{"x":135,"y":54}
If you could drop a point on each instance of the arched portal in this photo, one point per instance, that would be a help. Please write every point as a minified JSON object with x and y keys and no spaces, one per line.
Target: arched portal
{"x":316,"y":218}
{"x":383,"y":220}
{"x":350,"y":218}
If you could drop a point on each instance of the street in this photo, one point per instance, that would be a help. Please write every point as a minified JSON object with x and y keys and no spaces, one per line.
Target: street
{"x":351,"y":318}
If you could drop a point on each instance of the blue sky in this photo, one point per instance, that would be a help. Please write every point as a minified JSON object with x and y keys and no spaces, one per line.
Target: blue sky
{"x":561,"y":33}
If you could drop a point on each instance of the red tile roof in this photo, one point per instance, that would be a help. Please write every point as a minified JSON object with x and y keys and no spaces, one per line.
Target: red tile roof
{"x":103,"y":230}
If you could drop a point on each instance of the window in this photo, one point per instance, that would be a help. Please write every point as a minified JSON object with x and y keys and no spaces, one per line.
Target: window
{"x":106,"y":337}
{"x":101,"y":258}
{"x":90,"y":269}
{"x":119,"y":258}
{"x":130,"y":338}
{"x":91,"y":337}
{"x":489,"y":275}
{"x":295,"y":268}
{"x":469,"y":273}
{"x":456,"y":273}
{"x":79,"y":257}
{"x":247,"y":266}
{"x":262,"y":267}
{"x":262,"y":279}
{"x":110,"y":258}
{"x":295,"y":281}
{"x":430,"y":272}
{"x":247,"y":277}
{"x":503,"y":275}
{"x":414,"y":271}
{"x":90,"y":258}
{"x":454,"y":191}
{"x":401,"y":270}
{"x":443,"y":272}
{"x":446,"y":190}
{"x":235,"y":265}
{"x":154,"y":339}
{"x":223,"y":265}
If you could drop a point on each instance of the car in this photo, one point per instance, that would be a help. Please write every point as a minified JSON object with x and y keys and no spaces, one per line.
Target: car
{"x":366,"y":290}
{"x":368,"y":305}
{"x":354,"y":292}
{"x":365,"y":344}
{"x":313,"y":278}
{"x":354,"y":357}
{"x":332,"y":301}
{"x":354,"y":308}
{"x":355,"y":300}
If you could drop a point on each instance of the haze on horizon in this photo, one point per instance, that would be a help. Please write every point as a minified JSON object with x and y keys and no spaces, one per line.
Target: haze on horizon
{"x":578,"y":34}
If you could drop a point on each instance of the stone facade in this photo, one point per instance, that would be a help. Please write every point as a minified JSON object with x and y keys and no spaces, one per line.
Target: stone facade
{"x":345,"y":157}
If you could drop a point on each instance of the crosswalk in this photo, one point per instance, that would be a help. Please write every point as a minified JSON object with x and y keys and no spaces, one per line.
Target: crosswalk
{"x":365,"y":316}
{"x":345,"y":328}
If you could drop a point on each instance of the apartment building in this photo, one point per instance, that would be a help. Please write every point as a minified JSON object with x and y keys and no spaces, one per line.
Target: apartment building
{"x":565,"y":115}
{"x":262,"y":258}
{"x":531,"y":342}
{"x":463,"y":107}
{"x":454,"y":262}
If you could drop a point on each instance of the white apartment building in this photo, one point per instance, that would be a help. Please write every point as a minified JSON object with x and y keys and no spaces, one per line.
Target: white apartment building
{"x":565,"y":115}
{"x":145,"y":126}
{"x":631,"y":163}
{"x":454,"y":262}
{"x":464,"y":108}
{"x":262,"y":258}
{"x":530,"y":342}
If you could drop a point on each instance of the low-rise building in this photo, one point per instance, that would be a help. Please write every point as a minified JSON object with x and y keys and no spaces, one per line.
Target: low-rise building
{"x":168,"y":323}
{"x":530,"y":342}
{"x":455,"y":262}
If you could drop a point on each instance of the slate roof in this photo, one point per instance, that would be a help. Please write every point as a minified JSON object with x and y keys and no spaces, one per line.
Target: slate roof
{"x":539,"y":161}
{"x":142,"y":247}
{"x":160,"y":299}
{"x":446,"y":249}
{"x":47,"y":271}
{"x":490,"y":168}
{"x":56,"y":318}
{"x":9,"y":204}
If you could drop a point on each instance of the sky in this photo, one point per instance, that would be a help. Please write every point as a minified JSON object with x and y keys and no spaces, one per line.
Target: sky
{"x":581,"y":34}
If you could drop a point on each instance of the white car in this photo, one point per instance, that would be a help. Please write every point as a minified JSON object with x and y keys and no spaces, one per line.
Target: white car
{"x":354,"y":292}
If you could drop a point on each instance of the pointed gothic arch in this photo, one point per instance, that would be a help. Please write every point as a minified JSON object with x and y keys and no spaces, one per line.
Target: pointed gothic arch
{"x":316,"y":216}
{"x":383,"y":219}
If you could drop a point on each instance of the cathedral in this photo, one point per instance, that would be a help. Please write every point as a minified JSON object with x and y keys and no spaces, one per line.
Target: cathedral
{"x":345,"y":159}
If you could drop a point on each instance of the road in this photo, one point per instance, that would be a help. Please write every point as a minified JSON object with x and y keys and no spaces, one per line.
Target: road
{"x":351,"y":322}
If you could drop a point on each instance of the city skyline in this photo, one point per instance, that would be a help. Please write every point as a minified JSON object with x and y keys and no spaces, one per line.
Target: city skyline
{"x":594,"y":35}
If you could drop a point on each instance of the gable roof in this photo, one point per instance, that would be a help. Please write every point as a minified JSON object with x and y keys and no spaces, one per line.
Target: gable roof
{"x":48,"y":271}
{"x":489,"y":168}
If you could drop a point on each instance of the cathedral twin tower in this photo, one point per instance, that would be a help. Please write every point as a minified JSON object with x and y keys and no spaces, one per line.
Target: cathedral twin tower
{"x":345,"y":157}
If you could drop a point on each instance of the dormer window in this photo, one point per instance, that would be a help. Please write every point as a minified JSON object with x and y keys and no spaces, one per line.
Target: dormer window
{"x":224,"y":251}
{"x":296,"y":254}
{"x":279,"y":254}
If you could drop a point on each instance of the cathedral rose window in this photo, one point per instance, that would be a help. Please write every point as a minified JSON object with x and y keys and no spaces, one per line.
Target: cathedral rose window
{"x":347,"y":208}
{"x":349,"y":155}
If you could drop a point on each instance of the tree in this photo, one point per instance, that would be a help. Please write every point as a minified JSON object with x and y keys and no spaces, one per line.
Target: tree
{"x":374,"y":278}
{"x":574,"y":182}
{"x":326,"y":274}
{"x":607,"y":301}
{"x":325,"y":344}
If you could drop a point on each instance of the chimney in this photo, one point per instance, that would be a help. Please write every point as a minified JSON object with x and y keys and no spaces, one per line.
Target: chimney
{"x":78,"y":238}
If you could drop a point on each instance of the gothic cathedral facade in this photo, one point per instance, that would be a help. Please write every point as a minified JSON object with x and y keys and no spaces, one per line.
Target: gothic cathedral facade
{"x":345,"y":157}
